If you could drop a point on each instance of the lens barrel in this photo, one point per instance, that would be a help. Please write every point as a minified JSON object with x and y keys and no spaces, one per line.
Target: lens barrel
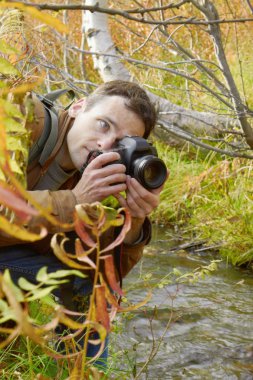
{"x":150,"y":171}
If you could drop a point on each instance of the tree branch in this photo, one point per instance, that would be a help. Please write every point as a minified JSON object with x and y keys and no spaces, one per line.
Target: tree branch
{"x":173,"y":130}
{"x":126,"y":14}
{"x":208,"y":9}
{"x":171,"y":71}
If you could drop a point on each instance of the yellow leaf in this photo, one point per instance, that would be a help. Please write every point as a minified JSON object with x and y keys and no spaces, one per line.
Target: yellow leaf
{"x":7,"y":49}
{"x":11,"y":109}
{"x":23,"y":88}
{"x":44,"y":17}
{"x":19,"y":232}
{"x":14,"y":144}
{"x":13,"y":126}
{"x":15,"y":167}
{"x":136,"y":306}
{"x":7,"y":68}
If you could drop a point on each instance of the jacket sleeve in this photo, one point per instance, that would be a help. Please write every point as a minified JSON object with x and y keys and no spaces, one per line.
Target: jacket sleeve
{"x":132,"y":253}
{"x":59,"y":204}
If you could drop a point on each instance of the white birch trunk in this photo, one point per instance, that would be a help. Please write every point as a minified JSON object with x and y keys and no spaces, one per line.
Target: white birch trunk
{"x":95,"y":26}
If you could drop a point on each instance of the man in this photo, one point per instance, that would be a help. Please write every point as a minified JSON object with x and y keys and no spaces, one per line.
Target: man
{"x":114,"y":110}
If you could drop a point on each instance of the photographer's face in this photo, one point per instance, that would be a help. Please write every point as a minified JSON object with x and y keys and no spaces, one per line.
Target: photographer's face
{"x":99,"y":128}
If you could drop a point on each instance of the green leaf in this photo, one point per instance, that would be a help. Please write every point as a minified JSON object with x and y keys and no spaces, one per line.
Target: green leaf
{"x":66,"y":272}
{"x":177,"y":272}
{"x":11,"y":109}
{"x":55,"y":282}
{"x":3,"y":306}
{"x":7,"y":49}
{"x":49,"y":301}
{"x":8,"y":315}
{"x":42,"y":275}
{"x":26,"y":285}
{"x":15,"y":167}
{"x":3,"y":84}
{"x":40,"y":293}
{"x":8,"y":280}
{"x":7,"y":68}
{"x":14,"y":144}
{"x":55,"y":278}
{"x":13,"y":126}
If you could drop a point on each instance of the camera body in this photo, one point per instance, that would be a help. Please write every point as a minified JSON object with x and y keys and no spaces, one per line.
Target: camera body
{"x":141,"y":161}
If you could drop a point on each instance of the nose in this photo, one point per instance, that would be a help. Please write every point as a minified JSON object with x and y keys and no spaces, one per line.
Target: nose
{"x":106,"y":142}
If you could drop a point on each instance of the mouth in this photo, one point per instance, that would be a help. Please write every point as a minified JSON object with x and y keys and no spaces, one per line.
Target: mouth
{"x":91,"y":154}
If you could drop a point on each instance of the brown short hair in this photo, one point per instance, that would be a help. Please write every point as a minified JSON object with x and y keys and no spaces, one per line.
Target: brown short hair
{"x":137,"y":100}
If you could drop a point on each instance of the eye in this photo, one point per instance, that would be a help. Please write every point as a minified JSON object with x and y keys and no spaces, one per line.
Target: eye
{"x":104,"y":125}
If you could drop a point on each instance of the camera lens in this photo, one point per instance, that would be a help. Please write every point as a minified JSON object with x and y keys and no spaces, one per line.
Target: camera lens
{"x":150,"y":171}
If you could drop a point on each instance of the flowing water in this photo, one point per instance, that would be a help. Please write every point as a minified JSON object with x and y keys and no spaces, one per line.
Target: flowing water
{"x":211,"y":332}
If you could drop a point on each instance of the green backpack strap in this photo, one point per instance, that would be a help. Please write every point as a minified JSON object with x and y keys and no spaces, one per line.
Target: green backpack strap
{"x":47,"y":140}
{"x":52,"y":96}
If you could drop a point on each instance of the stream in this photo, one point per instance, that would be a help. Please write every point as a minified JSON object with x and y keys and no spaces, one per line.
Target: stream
{"x":205,"y":329}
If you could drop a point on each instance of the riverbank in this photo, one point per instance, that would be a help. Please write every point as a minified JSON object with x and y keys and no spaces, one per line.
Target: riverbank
{"x":209,"y":199}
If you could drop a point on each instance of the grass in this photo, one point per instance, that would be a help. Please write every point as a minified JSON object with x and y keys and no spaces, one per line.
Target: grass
{"x":209,"y":198}
{"x":22,"y":360}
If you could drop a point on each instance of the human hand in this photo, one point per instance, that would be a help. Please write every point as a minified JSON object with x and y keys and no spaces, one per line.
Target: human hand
{"x":99,"y":180}
{"x":140,"y":202}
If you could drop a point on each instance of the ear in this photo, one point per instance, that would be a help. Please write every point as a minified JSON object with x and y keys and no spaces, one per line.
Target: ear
{"x":77,"y":107}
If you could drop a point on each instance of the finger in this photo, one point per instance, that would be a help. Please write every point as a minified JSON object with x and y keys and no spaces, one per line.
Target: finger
{"x":138,"y":206}
{"x":104,"y":159}
{"x":141,"y":195}
{"x":100,"y":178}
{"x":113,"y":180}
{"x":114,"y":189}
{"x":101,"y":193}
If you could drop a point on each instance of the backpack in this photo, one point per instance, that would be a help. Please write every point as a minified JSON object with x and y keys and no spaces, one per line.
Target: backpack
{"x":47,"y":140}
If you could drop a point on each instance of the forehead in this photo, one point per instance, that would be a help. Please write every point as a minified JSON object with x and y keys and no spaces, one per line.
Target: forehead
{"x":107,"y":103}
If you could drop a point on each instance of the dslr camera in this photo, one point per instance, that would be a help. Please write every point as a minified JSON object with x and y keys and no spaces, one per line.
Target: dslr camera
{"x":141,"y":161}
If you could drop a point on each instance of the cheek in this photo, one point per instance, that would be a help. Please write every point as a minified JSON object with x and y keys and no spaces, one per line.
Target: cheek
{"x":74,"y":134}
{"x":70,"y":140}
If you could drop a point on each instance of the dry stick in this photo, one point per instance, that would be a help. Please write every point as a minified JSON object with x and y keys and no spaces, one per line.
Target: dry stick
{"x":126,"y":14}
{"x":190,"y":59}
{"x":96,"y":8}
{"x":211,"y":13}
{"x":65,"y":55}
{"x":250,"y":6}
{"x":240,"y":63}
{"x":172,"y":71}
{"x":198,"y":63}
{"x":155,"y":345}
{"x":186,"y":136}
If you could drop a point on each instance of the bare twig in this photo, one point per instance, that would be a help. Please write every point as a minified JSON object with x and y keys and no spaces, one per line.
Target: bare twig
{"x":250,"y":6}
{"x":210,"y":12}
{"x":180,"y":20}
{"x":173,"y":130}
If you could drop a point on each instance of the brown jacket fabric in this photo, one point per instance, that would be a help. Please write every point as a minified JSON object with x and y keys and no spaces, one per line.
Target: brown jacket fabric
{"x":62,"y":202}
